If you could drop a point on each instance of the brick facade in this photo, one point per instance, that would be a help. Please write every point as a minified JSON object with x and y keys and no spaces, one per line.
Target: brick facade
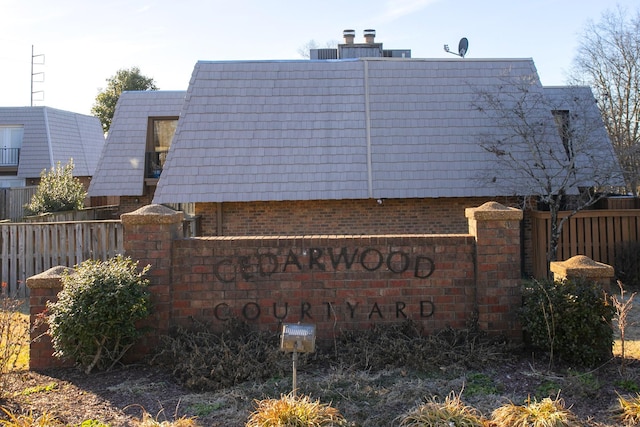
{"x":43,"y":287}
{"x":335,"y":217}
{"x":357,"y":217}
{"x":130,"y":203}
{"x":337,"y":282}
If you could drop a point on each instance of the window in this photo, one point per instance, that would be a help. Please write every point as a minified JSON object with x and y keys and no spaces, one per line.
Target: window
{"x":160,"y":131}
{"x":10,"y":144}
{"x":563,"y":123}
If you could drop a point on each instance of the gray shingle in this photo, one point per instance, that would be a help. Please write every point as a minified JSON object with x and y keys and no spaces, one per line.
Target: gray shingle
{"x":51,"y":136}
{"x":302,"y":130}
{"x":421,"y":122}
{"x":121,"y":168}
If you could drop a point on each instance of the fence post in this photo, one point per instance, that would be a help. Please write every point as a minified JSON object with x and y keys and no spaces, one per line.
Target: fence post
{"x":497,"y":236}
{"x":3,"y":203}
{"x":43,"y":287}
{"x":585,"y":267}
{"x":148,"y":238}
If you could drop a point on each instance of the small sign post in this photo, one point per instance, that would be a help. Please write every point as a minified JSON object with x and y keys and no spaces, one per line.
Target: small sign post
{"x":297,"y":338}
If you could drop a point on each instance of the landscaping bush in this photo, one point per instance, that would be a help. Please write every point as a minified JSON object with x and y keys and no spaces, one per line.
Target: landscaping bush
{"x":406,"y":345}
{"x":58,"y":191}
{"x":94,"y":319}
{"x":204,"y":360}
{"x":570,"y":319}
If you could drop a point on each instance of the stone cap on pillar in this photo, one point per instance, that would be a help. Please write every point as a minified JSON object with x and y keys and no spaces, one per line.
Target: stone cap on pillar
{"x":152,"y":214}
{"x":493,"y":211}
{"x":581,"y":266}
{"x":50,"y":278}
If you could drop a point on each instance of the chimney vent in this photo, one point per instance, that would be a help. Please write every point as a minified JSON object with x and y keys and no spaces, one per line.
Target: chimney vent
{"x":369,"y":36}
{"x":349,"y":35}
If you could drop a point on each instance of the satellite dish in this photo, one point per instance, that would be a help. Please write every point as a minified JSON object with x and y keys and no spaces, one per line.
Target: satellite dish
{"x":463,"y":47}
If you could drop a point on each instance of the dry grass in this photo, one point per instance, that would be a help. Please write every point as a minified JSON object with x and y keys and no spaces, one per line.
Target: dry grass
{"x":629,"y":410}
{"x":451,"y":412}
{"x":546,"y":413}
{"x":148,"y":420}
{"x":294,"y":411}
{"x":14,"y":335}
{"x":376,"y":377}
{"x":46,"y":419}
{"x":29,"y":420}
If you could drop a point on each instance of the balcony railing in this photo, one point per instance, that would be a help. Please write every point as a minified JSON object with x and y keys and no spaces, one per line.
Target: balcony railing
{"x":9,"y":156}
{"x":154,"y":162}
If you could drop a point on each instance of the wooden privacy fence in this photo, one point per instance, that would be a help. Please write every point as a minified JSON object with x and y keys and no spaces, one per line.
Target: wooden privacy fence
{"x":28,"y":249}
{"x":13,"y":200}
{"x":85,"y":214}
{"x":596,"y":234}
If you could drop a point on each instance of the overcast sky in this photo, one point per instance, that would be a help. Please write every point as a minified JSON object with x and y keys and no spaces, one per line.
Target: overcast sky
{"x":84,"y":42}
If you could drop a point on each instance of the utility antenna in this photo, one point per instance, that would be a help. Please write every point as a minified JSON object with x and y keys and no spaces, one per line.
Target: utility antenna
{"x":36,"y":60}
{"x":463,"y":47}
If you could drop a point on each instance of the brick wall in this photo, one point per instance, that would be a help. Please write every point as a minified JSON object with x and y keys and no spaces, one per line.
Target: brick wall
{"x":362,"y":217}
{"x":131,"y":203}
{"x":497,"y":256}
{"x":335,"y":282}
{"x":43,"y":287}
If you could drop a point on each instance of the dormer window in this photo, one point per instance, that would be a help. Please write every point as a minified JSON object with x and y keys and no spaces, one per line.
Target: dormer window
{"x":563,"y":123}
{"x":160,"y":131}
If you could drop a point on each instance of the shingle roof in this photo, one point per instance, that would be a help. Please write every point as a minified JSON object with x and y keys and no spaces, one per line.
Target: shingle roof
{"x":51,"y":136}
{"x":588,"y":130}
{"x":121,"y":168}
{"x":321,"y":130}
{"x":299,"y":130}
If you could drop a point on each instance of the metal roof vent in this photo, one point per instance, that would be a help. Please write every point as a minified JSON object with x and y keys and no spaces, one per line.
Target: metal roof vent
{"x":349,"y":35}
{"x":369,"y":36}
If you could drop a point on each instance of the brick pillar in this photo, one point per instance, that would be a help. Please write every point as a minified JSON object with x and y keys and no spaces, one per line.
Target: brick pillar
{"x":497,"y":234}
{"x":585,"y":267}
{"x":148,"y":238}
{"x":43,"y":287}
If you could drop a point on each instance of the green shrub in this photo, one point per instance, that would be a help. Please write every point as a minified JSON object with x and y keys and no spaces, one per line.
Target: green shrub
{"x":94,"y":319}
{"x":58,"y":191}
{"x":570,"y":319}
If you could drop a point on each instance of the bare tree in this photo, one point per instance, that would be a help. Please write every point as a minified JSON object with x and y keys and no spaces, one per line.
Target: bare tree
{"x":305,"y":50}
{"x":549,"y":144}
{"x":608,"y":59}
